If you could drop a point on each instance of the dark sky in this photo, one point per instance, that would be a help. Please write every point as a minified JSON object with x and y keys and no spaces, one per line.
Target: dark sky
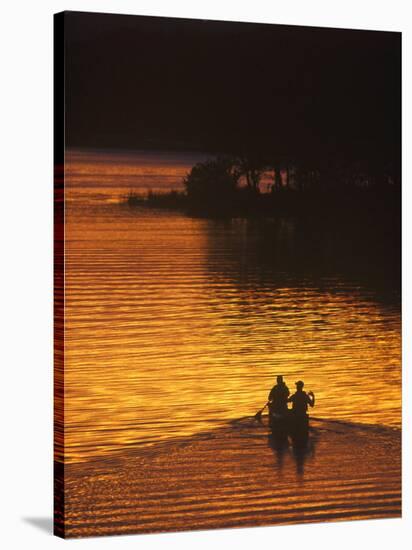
{"x":149,"y":82}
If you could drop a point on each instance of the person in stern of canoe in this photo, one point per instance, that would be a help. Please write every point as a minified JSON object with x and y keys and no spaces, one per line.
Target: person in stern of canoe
{"x":300,"y":400}
{"x":278,"y":398}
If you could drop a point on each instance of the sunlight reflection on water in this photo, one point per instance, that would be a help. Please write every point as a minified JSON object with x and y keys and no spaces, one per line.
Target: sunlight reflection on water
{"x":176,"y":324}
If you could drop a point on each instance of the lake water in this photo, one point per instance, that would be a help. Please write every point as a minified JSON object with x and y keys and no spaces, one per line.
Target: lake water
{"x":177,"y":325}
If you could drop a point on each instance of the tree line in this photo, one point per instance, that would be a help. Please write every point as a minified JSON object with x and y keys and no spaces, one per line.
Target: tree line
{"x":224,"y":176}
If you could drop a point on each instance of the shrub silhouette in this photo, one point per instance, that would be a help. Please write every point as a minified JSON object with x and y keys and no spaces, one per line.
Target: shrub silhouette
{"x":212,"y":182}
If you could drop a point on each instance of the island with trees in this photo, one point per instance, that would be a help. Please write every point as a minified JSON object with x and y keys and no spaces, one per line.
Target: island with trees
{"x":252,"y":185}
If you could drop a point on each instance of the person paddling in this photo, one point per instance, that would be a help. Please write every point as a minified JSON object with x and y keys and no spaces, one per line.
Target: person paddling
{"x":300,"y":400}
{"x":278,"y":397}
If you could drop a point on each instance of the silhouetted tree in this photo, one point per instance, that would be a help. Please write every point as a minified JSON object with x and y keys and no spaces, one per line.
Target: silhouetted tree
{"x":277,"y":178}
{"x":252,"y":168}
{"x":211,"y":181}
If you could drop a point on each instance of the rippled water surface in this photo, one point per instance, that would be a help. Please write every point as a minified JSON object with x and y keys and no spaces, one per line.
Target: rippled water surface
{"x":238,"y":477}
{"x":175,"y":324}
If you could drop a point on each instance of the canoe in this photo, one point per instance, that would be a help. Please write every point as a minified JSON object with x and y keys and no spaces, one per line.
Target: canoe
{"x":289,"y":424}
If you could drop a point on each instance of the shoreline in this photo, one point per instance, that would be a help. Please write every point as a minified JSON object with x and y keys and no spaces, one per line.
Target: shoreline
{"x":325,"y":204}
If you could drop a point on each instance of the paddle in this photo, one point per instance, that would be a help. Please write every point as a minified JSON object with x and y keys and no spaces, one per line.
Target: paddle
{"x":258,"y":415}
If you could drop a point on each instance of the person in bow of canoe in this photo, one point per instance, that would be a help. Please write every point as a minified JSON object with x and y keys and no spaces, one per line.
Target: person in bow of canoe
{"x":278,"y":397}
{"x":300,"y":400}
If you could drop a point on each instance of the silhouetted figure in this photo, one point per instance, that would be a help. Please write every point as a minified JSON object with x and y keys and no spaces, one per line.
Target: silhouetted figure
{"x":278,"y":397}
{"x":300,"y":400}
{"x":299,"y":419}
{"x":278,"y":410}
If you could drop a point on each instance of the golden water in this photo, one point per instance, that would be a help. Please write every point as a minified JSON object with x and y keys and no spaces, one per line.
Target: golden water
{"x":176,"y":325}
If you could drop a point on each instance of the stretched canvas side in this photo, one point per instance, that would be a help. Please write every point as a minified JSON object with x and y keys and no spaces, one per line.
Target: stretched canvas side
{"x":59,"y":206}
